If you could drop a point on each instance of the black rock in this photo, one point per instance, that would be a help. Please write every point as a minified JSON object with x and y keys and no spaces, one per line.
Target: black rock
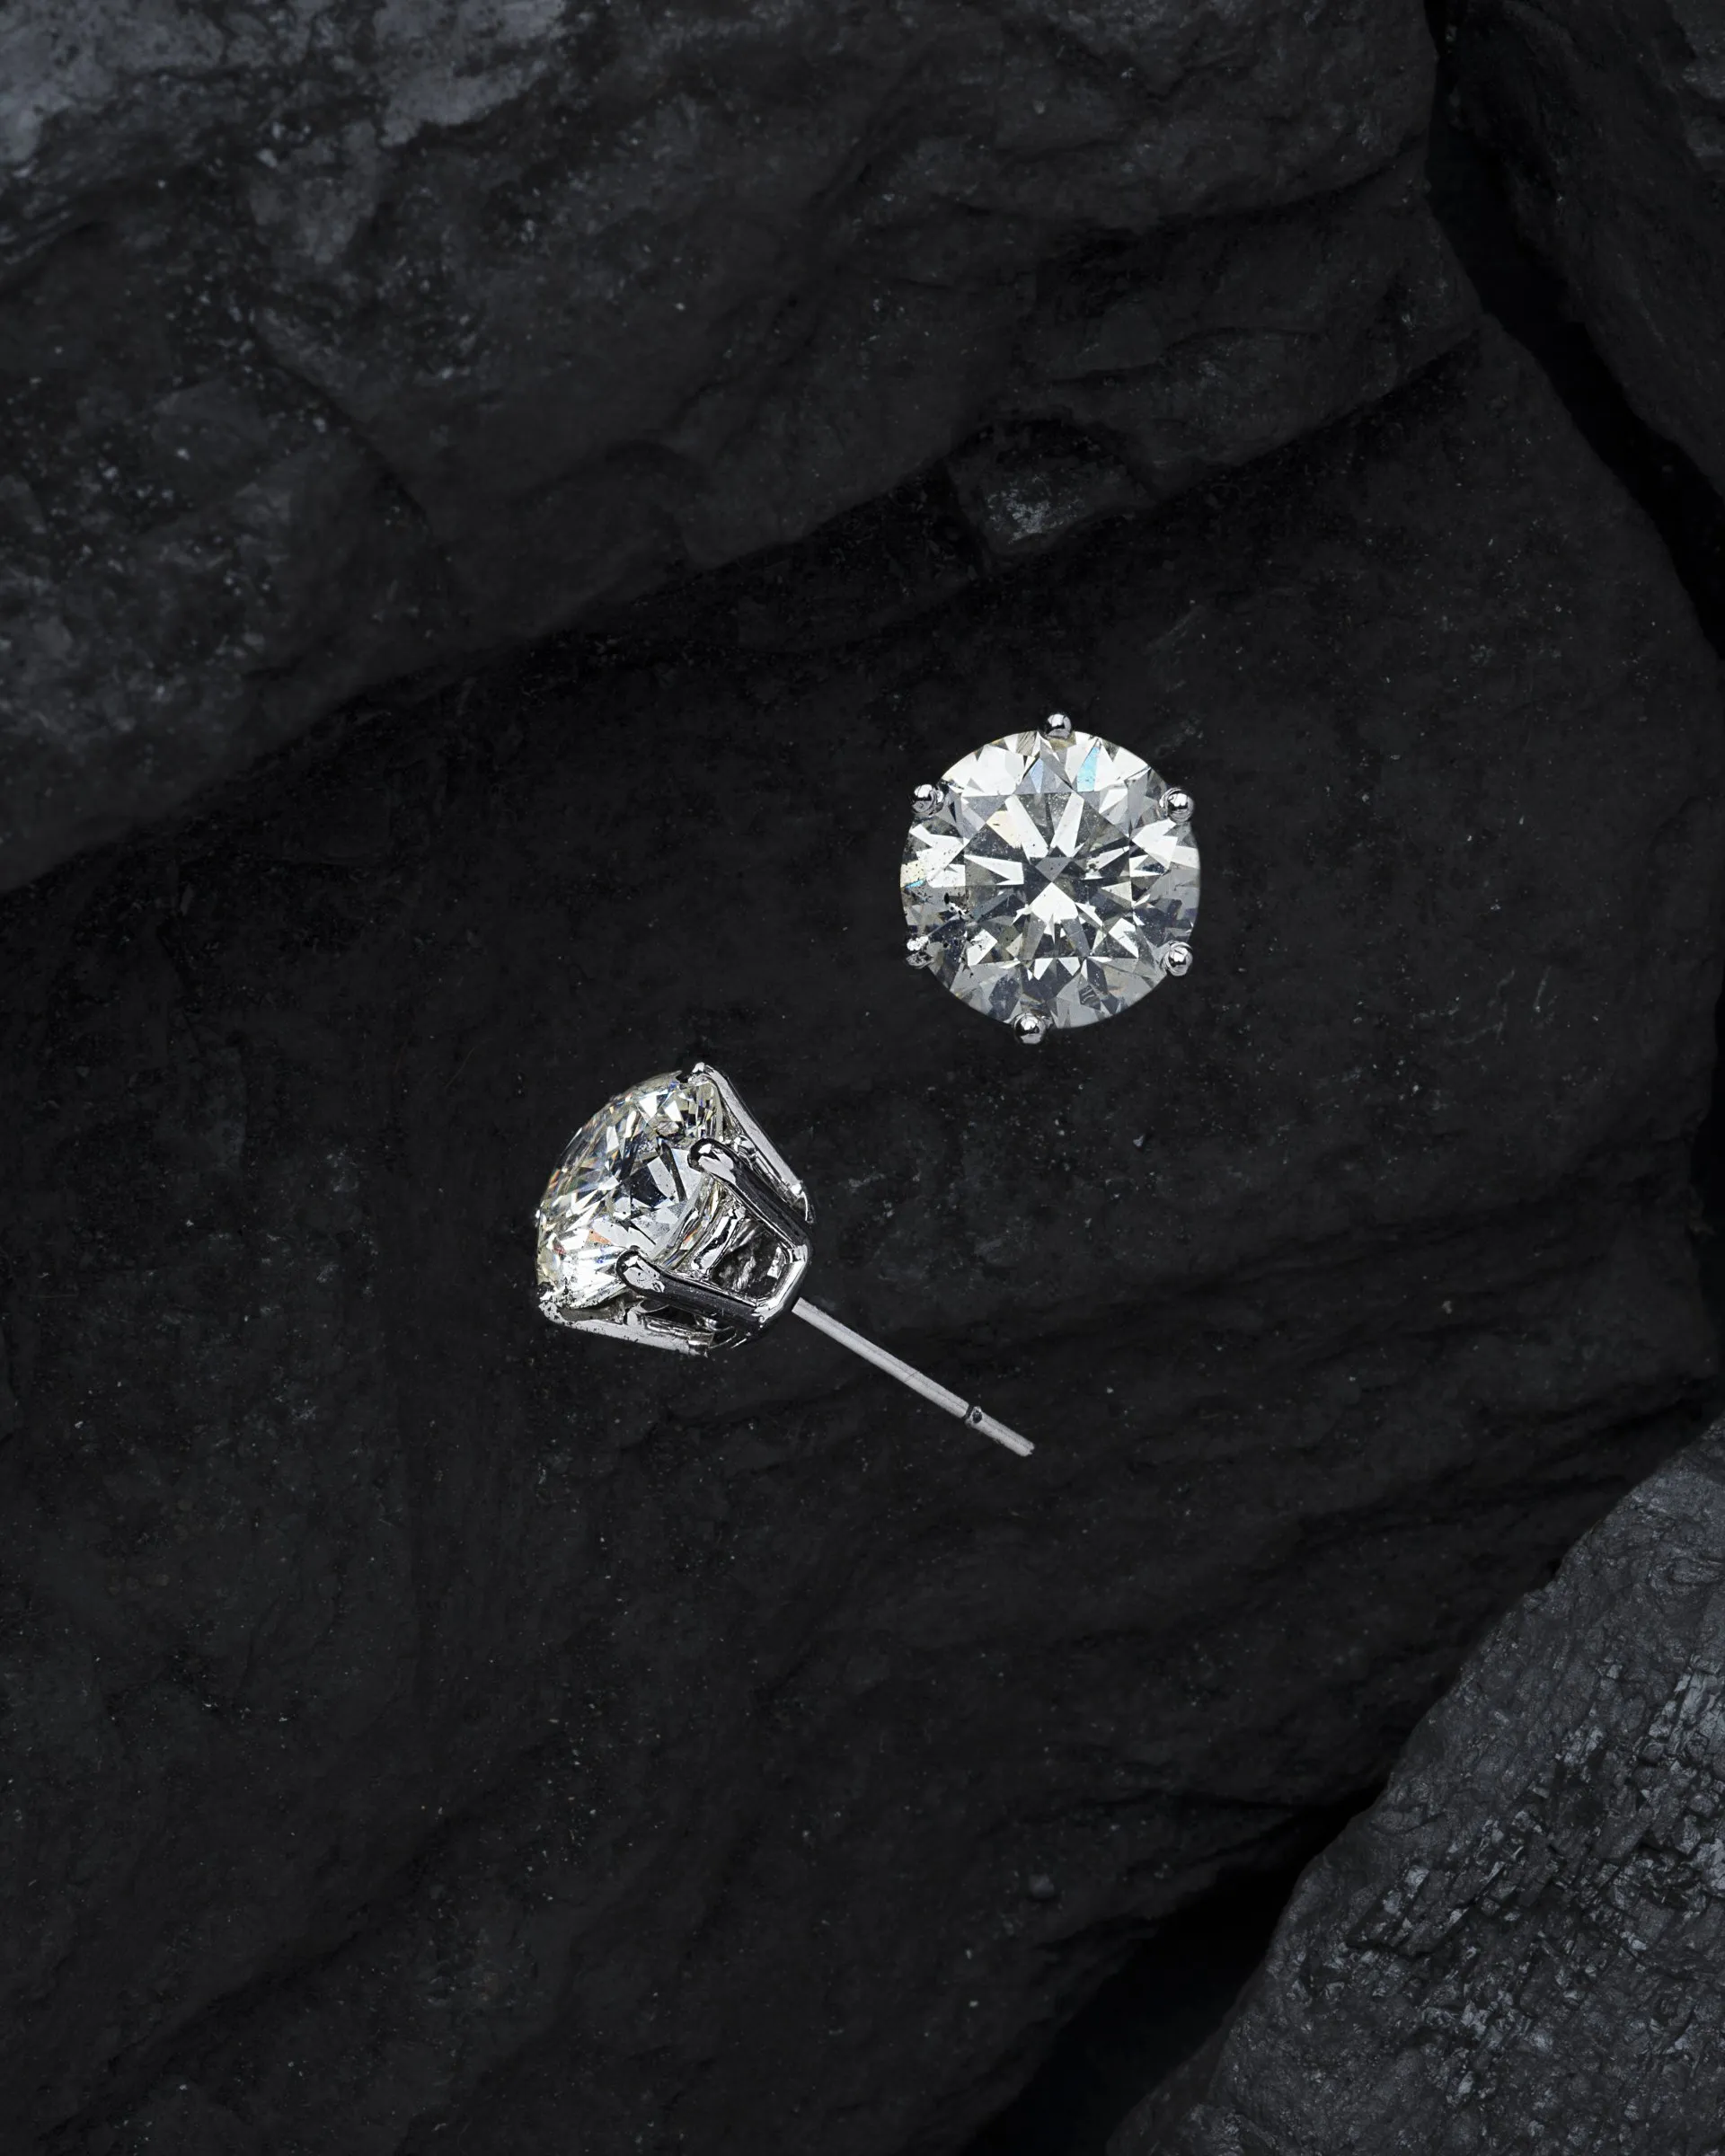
{"x":337,"y":340}
{"x":1607,"y":118}
{"x":429,"y":1728}
{"x":1521,"y":1944}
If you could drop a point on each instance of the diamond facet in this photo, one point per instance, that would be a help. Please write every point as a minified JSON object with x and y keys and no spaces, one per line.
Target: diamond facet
{"x":1051,"y":879}
{"x":625,"y":1184}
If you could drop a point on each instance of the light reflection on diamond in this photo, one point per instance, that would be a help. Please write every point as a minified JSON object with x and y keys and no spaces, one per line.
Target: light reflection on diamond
{"x":625,"y":1184}
{"x":1049,"y":880}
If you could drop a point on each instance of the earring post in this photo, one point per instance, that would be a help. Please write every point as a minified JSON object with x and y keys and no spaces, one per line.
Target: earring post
{"x":967,"y":1413}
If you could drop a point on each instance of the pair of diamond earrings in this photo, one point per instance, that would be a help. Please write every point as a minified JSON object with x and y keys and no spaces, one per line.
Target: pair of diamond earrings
{"x":1050,"y":880}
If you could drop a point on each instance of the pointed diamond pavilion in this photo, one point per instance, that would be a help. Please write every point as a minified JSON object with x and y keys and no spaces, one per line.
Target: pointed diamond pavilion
{"x":1050,"y":879}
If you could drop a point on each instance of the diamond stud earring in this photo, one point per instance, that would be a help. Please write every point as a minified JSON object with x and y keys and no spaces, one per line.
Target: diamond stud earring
{"x":1050,"y":879}
{"x":672,"y":1222}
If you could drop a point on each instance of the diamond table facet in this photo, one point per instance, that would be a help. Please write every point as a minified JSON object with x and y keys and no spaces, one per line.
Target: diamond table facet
{"x":1050,"y":879}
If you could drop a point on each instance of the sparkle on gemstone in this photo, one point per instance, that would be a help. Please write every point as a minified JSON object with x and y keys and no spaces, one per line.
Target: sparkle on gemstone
{"x":1049,"y":880}
{"x":625,"y":1184}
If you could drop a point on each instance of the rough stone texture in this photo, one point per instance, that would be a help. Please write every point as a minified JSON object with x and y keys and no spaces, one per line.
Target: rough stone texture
{"x":337,"y":337}
{"x":1608,"y":117}
{"x":427,"y":1729}
{"x":1521,"y":1944}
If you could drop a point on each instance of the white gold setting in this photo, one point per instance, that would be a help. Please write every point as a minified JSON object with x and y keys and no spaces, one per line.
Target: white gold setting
{"x":1051,"y":879}
{"x":673,"y":1221}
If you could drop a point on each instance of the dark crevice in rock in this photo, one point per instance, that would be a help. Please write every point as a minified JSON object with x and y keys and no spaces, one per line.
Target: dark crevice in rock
{"x":1163,"y":2003}
{"x":1528,"y":298}
{"x":1525,"y":294}
{"x":1155,"y":2010}
{"x":1489,"y":1943}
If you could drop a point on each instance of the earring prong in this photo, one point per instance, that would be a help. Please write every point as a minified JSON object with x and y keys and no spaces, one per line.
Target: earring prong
{"x":698,"y":1300}
{"x":925,"y":798}
{"x":1177,"y":805}
{"x":919,"y":951}
{"x":1031,"y":1026}
{"x":1058,"y":727}
{"x":707,"y":1156}
{"x":1177,"y":959}
{"x":765,"y":1157}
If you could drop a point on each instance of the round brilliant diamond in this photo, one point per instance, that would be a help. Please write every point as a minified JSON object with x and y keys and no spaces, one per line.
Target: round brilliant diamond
{"x":1051,"y":879}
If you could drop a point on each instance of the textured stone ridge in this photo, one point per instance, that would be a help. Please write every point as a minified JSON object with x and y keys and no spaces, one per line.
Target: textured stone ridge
{"x":339,"y":337}
{"x":1608,"y":117}
{"x":428,"y":1726}
{"x":1521,"y":1944}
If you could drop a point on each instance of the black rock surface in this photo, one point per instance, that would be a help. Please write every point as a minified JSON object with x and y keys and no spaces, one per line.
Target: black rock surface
{"x":336,"y":340}
{"x":1521,"y":1944}
{"x":427,"y":1728}
{"x":1607,"y":118}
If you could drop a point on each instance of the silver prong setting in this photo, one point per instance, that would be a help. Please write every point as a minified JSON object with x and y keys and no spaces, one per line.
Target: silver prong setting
{"x":1031,"y":1026}
{"x":762,"y":1156}
{"x":921,"y":952}
{"x":1177,"y":805}
{"x":694,"y":1298}
{"x":1177,"y":959}
{"x":769,"y":1206}
{"x":925,"y":798}
{"x":1058,"y":727}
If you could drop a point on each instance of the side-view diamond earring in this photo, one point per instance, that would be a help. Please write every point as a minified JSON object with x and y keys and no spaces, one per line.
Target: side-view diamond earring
{"x":671,"y":1221}
{"x":1050,"y":879}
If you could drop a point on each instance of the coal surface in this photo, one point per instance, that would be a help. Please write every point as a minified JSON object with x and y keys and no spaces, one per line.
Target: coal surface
{"x":339,"y":340}
{"x":1521,"y":1944}
{"x":429,"y":1728}
{"x":1149,"y":2017}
